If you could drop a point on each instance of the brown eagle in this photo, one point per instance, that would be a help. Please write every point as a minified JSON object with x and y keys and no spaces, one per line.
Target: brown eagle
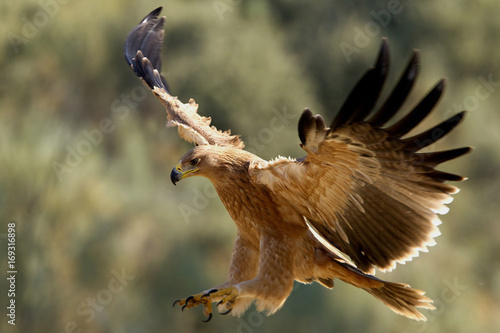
{"x":362,"y":198}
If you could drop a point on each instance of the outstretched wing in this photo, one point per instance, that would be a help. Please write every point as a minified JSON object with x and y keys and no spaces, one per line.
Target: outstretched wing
{"x":365,"y":188}
{"x":142,"y":51}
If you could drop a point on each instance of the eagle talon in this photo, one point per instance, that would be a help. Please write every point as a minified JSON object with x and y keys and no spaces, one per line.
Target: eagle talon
{"x":225,"y":296}
{"x":207,"y":294}
{"x":175,"y":302}
{"x":226,"y":312}
{"x":208,"y":319}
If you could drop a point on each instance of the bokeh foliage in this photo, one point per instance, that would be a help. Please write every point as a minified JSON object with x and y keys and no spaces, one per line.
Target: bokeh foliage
{"x":112,"y":209}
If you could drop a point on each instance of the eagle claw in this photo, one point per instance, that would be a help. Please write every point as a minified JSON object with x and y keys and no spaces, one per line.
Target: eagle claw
{"x":226,"y":312}
{"x":208,"y":319}
{"x":209,"y":292}
{"x":226,"y":296}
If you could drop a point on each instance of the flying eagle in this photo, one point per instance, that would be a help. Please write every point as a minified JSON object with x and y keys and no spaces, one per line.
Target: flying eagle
{"x":363,"y":197}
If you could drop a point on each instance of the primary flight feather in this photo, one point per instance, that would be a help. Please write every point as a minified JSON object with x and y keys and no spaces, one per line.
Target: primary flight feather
{"x":363,"y":197}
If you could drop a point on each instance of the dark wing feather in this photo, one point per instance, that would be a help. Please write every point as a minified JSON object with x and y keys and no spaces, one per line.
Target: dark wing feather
{"x":433,"y":134}
{"x":398,"y":95}
{"x":142,"y":52}
{"x":418,"y":114}
{"x":431,"y":160}
{"x":311,"y":129}
{"x":362,"y":98}
{"x":365,"y":189}
{"x":148,"y":38}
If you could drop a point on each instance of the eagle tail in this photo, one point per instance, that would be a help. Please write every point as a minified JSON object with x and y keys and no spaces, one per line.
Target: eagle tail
{"x":399,"y":297}
{"x":402,"y":299}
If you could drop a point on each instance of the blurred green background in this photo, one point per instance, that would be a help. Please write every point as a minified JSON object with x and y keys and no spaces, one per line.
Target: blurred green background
{"x":105,"y":243}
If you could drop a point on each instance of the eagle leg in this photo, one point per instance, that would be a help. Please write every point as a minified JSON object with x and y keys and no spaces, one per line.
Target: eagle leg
{"x":226,"y":298}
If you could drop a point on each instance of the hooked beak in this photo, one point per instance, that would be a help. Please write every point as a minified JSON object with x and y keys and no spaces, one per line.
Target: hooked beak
{"x":178,"y":174}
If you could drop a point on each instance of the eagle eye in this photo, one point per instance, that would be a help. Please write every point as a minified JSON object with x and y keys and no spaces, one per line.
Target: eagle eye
{"x":194,"y":161}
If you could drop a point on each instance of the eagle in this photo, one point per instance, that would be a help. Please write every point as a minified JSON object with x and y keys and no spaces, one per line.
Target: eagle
{"x":363,"y":197}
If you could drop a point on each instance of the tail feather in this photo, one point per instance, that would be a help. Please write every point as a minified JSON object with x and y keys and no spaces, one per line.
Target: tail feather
{"x":402,"y":299}
{"x":399,"y":297}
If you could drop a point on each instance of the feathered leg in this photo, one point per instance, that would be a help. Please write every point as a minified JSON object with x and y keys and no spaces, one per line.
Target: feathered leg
{"x":244,"y":266}
{"x":274,"y":281}
{"x":270,"y":286}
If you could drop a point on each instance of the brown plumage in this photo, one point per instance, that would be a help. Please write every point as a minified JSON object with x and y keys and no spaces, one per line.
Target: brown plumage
{"x":362,"y":198}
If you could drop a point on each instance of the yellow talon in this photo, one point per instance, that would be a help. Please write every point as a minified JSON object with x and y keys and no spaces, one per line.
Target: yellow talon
{"x":225,"y":297}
